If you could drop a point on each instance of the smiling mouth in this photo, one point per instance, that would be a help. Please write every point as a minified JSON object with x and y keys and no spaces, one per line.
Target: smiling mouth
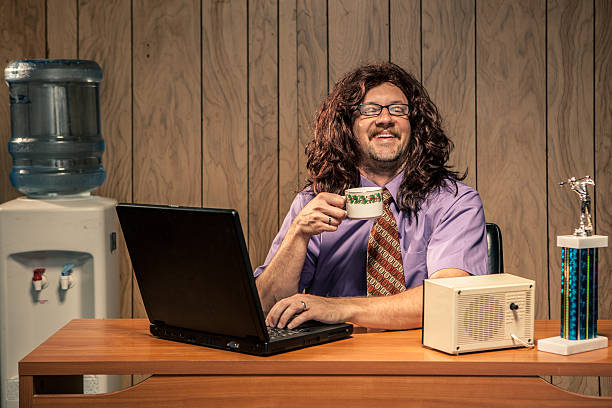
{"x":384,"y":136}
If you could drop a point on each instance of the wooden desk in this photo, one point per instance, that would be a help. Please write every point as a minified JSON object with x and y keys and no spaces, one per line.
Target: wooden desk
{"x":371,"y":368}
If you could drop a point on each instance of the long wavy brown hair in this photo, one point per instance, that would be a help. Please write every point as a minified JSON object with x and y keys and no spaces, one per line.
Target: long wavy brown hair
{"x":333,"y":153}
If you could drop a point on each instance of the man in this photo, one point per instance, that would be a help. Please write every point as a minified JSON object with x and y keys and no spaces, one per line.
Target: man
{"x":378,"y":127}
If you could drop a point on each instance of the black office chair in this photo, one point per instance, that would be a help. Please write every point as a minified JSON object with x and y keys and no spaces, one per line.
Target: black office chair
{"x":494,"y":248}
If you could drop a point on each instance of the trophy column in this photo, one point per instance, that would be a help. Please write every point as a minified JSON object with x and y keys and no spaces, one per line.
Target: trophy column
{"x":579,"y":285}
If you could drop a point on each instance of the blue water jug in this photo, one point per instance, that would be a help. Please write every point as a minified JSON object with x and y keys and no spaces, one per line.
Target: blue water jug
{"x":55,"y":142}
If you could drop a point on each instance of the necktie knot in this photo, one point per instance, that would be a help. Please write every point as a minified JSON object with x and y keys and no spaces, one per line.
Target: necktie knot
{"x":386,"y":195}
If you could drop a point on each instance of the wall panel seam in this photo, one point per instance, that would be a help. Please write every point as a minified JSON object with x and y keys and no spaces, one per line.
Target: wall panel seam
{"x":46,"y":29}
{"x":594,"y":211}
{"x":389,"y":26}
{"x":132,"y":128}
{"x":77,"y":28}
{"x":278,"y":117}
{"x":476,"y":94}
{"x":327,"y":40}
{"x":421,"y":36}
{"x":297,"y":99}
{"x":201,"y":109}
{"x":547,"y":152}
{"x":248,"y":128}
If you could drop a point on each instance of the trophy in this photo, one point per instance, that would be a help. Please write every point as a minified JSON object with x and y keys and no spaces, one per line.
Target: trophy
{"x":579,"y":253}
{"x":579,"y":186}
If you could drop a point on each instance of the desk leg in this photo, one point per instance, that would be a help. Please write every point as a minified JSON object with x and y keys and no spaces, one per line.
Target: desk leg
{"x":26,"y":391}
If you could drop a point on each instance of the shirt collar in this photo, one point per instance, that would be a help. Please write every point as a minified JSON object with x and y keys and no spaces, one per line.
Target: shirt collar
{"x":393,"y":185}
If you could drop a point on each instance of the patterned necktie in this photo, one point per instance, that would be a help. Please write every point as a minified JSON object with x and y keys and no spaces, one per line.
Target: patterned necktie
{"x":384,"y":270}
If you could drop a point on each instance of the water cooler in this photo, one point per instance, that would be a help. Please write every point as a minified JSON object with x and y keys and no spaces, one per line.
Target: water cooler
{"x":58,"y":255}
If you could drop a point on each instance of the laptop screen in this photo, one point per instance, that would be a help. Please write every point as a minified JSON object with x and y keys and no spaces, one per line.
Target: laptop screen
{"x":193,"y":268}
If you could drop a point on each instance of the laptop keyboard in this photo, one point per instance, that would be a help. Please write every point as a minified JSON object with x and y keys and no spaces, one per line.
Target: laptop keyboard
{"x":278,"y":333}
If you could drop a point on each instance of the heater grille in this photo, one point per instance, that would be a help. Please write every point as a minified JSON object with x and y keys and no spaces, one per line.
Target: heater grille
{"x":480,"y":318}
{"x":528,"y":323}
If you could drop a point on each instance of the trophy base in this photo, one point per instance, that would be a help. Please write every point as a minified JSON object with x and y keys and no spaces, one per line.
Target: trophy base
{"x":559,"y":345}
{"x":572,"y":241}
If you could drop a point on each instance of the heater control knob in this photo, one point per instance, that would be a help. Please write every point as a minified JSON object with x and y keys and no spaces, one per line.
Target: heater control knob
{"x":513,"y":306}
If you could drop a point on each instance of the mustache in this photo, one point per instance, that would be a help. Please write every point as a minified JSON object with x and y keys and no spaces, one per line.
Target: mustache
{"x":376,"y":131}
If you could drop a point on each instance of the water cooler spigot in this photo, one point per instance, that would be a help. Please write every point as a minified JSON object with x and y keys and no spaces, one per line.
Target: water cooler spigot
{"x":39,"y":280}
{"x":66,"y":279}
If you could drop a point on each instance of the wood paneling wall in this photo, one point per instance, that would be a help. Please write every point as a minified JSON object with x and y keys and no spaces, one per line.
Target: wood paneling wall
{"x":105,"y":31}
{"x":210,"y":103}
{"x":511,"y":132}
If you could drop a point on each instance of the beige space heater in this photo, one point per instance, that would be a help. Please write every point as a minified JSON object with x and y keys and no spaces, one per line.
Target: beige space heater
{"x":476,"y":313}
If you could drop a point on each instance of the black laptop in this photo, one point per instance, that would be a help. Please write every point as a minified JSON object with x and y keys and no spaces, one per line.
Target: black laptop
{"x":197,"y":285}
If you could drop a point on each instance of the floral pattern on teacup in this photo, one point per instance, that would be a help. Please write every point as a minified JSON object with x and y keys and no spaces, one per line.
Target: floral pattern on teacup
{"x":364,"y":199}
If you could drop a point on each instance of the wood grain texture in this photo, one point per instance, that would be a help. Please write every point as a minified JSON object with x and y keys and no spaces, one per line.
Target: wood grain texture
{"x":224,"y":106}
{"x":570,"y":137}
{"x":312,"y":74}
{"x":511,"y":95}
{"x":331,"y":391}
{"x":62,"y":29}
{"x":126,"y":280}
{"x":405,"y":38}
{"x":358,"y":34}
{"x":288,"y":133}
{"x":603,"y":149}
{"x":22,"y":34}
{"x":449,"y":75}
{"x":167,"y":102}
{"x":579,"y":385}
{"x":26,"y":391}
{"x":570,"y":122}
{"x":105,"y":37}
{"x":605,"y":386}
{"x":263,"y":128}
{"x":124,"y":346}
{"x":603,"y":158}
{"x":167,"y":107}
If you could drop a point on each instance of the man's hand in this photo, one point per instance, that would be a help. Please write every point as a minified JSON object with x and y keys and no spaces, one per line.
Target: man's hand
{"x":322,"y":214}
{"x":300,"y":308}
{"x":396,"y":312}
{"x":280,"y":279}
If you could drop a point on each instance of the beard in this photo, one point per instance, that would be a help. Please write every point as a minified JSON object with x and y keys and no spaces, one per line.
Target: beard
{"x":385,"y":156}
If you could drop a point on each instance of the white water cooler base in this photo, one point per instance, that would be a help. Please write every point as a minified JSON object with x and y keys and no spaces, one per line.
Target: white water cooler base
{"x":38,"y":240}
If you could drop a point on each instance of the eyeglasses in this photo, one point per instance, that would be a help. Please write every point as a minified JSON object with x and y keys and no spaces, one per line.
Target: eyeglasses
{"x":374,"y":109}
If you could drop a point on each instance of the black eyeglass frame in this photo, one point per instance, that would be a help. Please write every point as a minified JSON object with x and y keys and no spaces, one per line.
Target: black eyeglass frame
{"x":381,"y":107}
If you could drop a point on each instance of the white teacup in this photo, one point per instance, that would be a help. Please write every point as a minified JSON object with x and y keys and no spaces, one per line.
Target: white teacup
{"x":363,"y":203}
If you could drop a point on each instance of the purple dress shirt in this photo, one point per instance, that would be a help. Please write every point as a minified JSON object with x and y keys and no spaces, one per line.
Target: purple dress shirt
{"x":450,"y":233}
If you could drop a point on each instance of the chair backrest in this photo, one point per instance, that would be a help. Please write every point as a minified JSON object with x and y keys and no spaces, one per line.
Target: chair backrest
{"x":494,"y":248}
